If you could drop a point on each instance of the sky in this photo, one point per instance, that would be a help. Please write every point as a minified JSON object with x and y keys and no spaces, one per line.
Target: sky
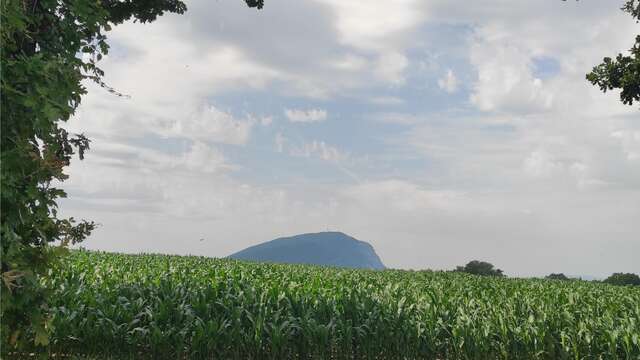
{"x":438,"y":131}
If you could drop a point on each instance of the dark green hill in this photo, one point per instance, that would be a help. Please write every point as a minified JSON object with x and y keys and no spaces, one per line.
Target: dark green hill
{"x":325,"y":248}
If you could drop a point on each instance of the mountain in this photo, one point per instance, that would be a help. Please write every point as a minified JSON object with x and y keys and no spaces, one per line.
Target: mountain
{"x":324,"y":248}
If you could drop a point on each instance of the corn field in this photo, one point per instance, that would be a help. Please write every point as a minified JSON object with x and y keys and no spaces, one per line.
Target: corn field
{"x":157,"y":306}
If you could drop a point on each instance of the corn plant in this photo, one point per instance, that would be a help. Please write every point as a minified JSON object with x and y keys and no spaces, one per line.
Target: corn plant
{"x":158,"y":306}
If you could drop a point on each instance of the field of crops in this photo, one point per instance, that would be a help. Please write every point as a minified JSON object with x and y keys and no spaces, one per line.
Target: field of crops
{"x":172,"y":307}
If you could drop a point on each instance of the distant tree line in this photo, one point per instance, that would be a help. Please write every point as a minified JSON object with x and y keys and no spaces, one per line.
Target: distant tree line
{"x":483,"y":268}
{"x":559,"y":276}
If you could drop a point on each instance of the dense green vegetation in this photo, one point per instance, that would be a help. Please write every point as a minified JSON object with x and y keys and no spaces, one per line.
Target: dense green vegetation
{"x":159,"y":306}
{"x":482,"y":268}
{"x":623,"y":279}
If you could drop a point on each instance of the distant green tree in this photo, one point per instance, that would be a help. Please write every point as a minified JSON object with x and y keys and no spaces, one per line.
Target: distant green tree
{"x":623,"y":279}
{"x":482,"y":268}
{"x":623,"y":72}
{"x":559,"y":276}
{"x":48,"y":48}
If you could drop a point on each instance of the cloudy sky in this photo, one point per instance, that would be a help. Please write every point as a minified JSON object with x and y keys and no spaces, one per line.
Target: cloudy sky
{"x":439,"y":131}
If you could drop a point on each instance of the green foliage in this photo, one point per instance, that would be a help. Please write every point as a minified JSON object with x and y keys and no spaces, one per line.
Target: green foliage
{"x":623,"y":72}
{"x":559,"y":276}
{"x":623,"y":279}
{"x":170,"y":307}
{"x":481,"y":268}
{"x":40,"y":87}
{"x":48,"y":48}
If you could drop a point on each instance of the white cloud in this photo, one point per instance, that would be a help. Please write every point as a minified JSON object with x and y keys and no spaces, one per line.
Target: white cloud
{"x":448,"y":82}
{"x":208,"y":123}
{"x":163,"y":68}
{"x":503,"y":48}
{"x":402,"y":196}
{"x":105,"y":116}
{"x":318,"y":149}
{"x":366,"y":26}
{"x":203,"y":158}
{"x":505,"y":80}
{"x":541,"y":164}
{"x":231,"y":47}
{"x":630,"y":141}
{"x":198,"y":158}
{"x":391,"y":66}
{"x":351,"y":62}
{"x":305,"y":116}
